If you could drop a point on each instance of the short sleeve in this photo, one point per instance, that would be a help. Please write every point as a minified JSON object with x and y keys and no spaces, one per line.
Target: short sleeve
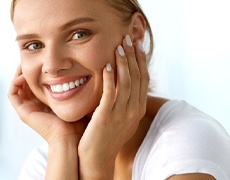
{"x":191,"y":148}
{"x":34,"y":167}
{"x":184,"y":140}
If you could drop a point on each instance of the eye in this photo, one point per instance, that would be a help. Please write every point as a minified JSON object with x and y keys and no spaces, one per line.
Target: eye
{"x":81,"y":34}
{"x":34,"y":46}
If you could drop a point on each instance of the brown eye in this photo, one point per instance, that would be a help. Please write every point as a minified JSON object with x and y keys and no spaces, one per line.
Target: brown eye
{"x":34,"y":46}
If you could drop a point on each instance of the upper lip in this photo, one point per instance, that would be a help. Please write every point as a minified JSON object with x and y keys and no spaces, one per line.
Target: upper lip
{"x":64,"y":80}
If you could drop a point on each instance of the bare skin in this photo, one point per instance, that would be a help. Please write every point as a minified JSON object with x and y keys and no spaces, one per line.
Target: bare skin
{"x":111,"y":103}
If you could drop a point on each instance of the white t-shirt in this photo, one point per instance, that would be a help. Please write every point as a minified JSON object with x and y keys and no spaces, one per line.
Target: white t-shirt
{"x":181,"y":140}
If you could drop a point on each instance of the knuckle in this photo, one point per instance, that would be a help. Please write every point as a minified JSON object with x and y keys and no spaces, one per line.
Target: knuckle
{"x":142,"y":111}
{"x":123,"y":62}
{"x":130,"y":52}
{"x":109,"y":93}
{"x":126,"y":83}
{"x":145,"y":76}
{"x":137,"y":75}
{"x":132,"y":115}
{"x":9,"y":94}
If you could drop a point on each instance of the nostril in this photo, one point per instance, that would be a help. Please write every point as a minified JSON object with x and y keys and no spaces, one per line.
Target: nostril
{"x":56,"y":67}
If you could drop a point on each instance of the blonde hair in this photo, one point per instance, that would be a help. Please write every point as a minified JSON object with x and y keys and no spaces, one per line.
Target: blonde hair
{"x":127,"y":8}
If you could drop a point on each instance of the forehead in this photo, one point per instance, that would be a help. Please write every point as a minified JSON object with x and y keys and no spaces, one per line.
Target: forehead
{"x":45,"y":12}
{"x":57,"y":6}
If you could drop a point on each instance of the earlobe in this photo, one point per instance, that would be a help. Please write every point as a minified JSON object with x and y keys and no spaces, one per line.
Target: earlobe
{"x":138,"y":25}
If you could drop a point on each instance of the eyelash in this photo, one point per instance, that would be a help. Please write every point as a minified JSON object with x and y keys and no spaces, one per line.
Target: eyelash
{"x":27,"y":46}
{"x":83,"y":34}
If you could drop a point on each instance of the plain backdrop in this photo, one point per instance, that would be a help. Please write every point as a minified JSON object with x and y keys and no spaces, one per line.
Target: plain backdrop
{"x":191,"y":62}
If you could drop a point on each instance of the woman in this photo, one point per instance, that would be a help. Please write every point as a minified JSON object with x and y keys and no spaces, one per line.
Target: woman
{"x":82,"y":85}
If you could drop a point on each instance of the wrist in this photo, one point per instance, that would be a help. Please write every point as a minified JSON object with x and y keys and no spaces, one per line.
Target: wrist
{"x":63,"y":141}
{"x":96,"y":168}
{"x":62,"y":161}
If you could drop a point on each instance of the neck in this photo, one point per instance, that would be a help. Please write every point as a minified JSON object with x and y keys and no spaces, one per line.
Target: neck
{"x":125,"y":158}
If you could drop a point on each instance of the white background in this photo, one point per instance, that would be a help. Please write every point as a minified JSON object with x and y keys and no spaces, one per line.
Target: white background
{"x":191,"y":62}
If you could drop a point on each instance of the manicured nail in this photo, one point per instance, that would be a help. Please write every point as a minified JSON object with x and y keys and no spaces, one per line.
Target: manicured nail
{"x":108,"y":67}
{"x":140,"y":45}
{"x":121,"y":50}
{"x":128,"y":40}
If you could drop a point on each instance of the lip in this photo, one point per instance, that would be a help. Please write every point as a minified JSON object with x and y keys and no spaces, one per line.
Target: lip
{"x":68,"y":94}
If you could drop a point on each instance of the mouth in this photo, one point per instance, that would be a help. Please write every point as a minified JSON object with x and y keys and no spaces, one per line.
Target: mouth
{"x":61,"y":88}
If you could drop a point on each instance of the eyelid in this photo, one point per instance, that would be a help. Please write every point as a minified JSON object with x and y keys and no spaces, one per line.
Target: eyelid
{"x":26,"y":46}
{"x":83,"y":31}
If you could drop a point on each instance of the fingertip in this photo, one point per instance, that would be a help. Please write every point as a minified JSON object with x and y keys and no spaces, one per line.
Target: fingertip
{"x":140,"y":46}
{"x":18,"y":71}
{"x":120,"y":51}
{"x":108,"y":72}
{"x":108,"y":87}
{"x":18,"y":81}
{"x":108,"y":67}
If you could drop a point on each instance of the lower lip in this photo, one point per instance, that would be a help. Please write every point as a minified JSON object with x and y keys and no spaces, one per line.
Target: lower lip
{"x":68,"y":94}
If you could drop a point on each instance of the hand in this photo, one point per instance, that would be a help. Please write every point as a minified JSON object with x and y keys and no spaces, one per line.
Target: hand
{"x":39,"y":116}
{"x":117,"y":117}
{"x":62,"y":137}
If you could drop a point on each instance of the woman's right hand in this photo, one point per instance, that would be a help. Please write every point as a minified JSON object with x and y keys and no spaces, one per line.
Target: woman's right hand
{"x":39,"y":116}
{"x":62,"y":137}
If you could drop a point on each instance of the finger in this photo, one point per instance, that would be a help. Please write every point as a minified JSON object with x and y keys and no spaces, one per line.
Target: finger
{"x":17,"y":81}
{"x":18,"y":71}
{"x":14,"y":90}
{"x":108,"y":96}
{"x":123,"y":85}
{"x":133,"y":102}
{"x":144,"y":82}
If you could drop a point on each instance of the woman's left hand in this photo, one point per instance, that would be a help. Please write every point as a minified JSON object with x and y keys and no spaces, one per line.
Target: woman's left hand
{"x":116,"y":119}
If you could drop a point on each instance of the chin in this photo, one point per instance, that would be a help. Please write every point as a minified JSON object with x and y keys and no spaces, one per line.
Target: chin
{"x":69,"y":116}
{"x":74,"y":109}
{"x":73,"y":114}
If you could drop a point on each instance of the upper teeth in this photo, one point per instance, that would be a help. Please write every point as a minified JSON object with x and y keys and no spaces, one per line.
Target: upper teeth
{"x":59,"y":88}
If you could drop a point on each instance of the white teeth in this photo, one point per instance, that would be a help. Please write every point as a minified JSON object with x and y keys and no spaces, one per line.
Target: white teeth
{"x":71,"y":85}
{"x":65,"y":87}
{"x":81,"y":81}
{"x":77,"y":83}
{"x":59,"y":88}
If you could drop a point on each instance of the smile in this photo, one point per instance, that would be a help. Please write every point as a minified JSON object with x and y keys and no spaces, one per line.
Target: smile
{"x":60,"y":88}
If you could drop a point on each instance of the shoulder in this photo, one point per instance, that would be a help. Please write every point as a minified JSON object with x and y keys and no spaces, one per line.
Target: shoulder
{"x":180,"y":116}
{"x":184,"y":140}
{"x":35,"y":164}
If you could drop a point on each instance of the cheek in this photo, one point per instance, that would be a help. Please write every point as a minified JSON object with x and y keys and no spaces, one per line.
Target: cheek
{"x":32,"y":74}
{"x":99,"y":52}
{"x":30,"y":70}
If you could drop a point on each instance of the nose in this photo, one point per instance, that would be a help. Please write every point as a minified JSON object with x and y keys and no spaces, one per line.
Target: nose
{"x":56,"y":60}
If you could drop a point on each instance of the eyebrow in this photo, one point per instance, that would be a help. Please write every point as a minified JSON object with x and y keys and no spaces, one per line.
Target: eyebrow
{"x":62,"y":28}
{"x":76,"y":22}
{"x":26,"y":36}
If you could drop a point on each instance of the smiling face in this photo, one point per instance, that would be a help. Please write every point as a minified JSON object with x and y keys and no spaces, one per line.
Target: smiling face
{"x":64,"y":48}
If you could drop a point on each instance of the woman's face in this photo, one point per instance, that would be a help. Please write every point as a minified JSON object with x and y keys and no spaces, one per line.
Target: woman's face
{"x":64,"y":47}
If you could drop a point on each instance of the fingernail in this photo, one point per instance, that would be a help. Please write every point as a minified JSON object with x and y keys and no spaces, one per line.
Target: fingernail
{"x":140,"y":45}
{"x":108,"y":67}
{"x":128,"y":40}
{"x":121,"y":50}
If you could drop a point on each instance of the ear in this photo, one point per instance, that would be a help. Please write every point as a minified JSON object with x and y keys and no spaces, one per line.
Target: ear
{"x":138,"y":27}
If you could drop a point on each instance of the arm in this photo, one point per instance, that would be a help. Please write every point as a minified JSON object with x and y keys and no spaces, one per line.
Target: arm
{"x":62,"y":161}
{"x":62,"y":137}
{"x":117,"y":117}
